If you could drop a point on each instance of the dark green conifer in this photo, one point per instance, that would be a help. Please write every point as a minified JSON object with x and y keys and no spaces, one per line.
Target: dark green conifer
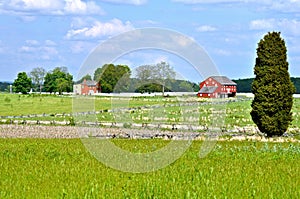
{"x":272,"y":87}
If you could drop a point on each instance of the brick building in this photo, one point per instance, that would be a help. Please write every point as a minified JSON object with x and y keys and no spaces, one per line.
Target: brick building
{"x":87,"y":87}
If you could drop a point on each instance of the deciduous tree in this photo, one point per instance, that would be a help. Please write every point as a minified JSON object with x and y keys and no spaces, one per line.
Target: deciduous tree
{"x":51,"y":81}
{"x":156,"y":74}
{"x":22,"y":83}
{"x":113,"y":78}
{"x":37,"y":76}
{"x":86,"y":77}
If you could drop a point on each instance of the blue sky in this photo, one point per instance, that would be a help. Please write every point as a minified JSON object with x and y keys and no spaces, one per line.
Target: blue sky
{"x":63,"y":32}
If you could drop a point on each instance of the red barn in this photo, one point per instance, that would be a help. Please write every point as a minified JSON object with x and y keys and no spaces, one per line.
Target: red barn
{"x":217,"y":87}
{"x":87,"y":87}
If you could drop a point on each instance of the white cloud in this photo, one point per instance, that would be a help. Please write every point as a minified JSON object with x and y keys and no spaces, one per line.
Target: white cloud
{"x":206,"y":28}
{"x":290,"y":26}
{"x":262,"y":24}
{"x":27,"y":49}
{"x":207,"y":1}
{"x":277,"y":5}
{"x":53,"y":7}
{"x":133,"y":2}
{"x":79,"y":22}
{"x":81,"y":7}
{"x":27,"y":18}
{"x":48,"y":52}
{"x":32,"y":42}
{"x":100,"y":29}
{"x":287,"y":26}
{"x":284,"y":5}
{"x":222,"y":52}
{"x":50,"y":43}
{"x":36,"y":50}
{"x":35,"y":5}
{"x":82,"y":47}
{"x":183,"y":41}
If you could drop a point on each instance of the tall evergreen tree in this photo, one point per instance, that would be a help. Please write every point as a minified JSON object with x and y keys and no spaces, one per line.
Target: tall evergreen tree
{"x":272,"y":87}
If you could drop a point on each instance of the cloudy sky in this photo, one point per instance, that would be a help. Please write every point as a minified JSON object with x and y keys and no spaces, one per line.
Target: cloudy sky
{"x":51,"y":33}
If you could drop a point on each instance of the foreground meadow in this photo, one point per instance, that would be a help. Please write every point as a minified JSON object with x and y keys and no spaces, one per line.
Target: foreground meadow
{"x":61,"y":168}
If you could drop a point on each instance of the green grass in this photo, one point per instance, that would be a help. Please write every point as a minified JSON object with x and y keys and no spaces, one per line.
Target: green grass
{"x":16,"y":105}
{"x":33,"y":104}
{"x":60,"y":168}
{"x":237,"y":113}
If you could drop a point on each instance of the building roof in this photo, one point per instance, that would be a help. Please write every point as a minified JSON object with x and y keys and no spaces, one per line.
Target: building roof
{"x":208,"y":89}
{"x":223,"y":80}
{"x":90,"y":83}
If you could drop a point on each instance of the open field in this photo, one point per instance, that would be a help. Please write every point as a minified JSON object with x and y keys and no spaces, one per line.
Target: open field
{"x":233,"y":114}
{"x":60,"y":168}
{"x":16,"y":105}
{"x":32,"y":167}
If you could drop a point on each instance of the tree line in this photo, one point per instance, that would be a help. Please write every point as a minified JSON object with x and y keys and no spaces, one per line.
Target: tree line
{"x":244,"y":85}
{"x":116,"y":78}
{"x":57,"y":80}
{"x":159,"y":77}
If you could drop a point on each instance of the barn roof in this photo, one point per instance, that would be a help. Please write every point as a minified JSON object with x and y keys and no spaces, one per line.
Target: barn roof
{"x":208,"y":89}
{"x":223,"y":80}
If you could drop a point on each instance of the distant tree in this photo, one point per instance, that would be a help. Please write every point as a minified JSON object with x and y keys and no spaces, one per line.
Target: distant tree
{"x":145,"y":73}
{"x":163,"y":72}
{"x":97,"y":74}
{"x":123,"y":75}
{"x":185,"y":86}
{"x":51,"y":81}
{"x":296,"y":82}
{"x":157,"y":74}
{"x":86,"y":77}
{"x":4,"y":86}
{"x":37,"y":76}
{"x":62,"y":85}
{"x":113,"y":78}
{"x":22,"y":83}
{"x":244,"y":85}
{"x":272,"y":87}
{"x":149,"y":88}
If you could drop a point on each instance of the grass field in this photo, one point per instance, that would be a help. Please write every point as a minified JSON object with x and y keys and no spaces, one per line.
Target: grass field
{"x":40,"y":168}
{"x":16,"y":105}
{"x":63,"y":168}
{"x":237,"y":113}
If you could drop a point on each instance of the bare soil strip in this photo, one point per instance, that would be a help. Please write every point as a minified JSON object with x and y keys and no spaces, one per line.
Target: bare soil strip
{"x":69,"y":132}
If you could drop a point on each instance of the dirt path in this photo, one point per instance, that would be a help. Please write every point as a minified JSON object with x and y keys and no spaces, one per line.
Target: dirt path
{"x":68,"y":132}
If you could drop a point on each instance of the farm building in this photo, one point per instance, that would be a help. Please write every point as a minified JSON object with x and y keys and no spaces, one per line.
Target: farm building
{"x":217,"y":87}
{"x":87,"y":87}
